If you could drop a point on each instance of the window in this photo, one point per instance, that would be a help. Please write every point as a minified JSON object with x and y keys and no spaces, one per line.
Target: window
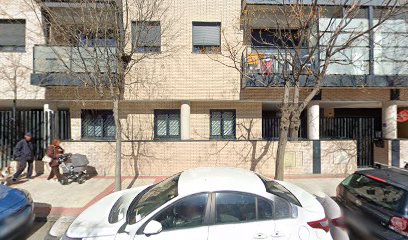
{"x":166,"y":124}
{"x":12,"y":35}
{"x":155,"y":197}
{"x":275,"y":38}
{"x":146,"y":36}
{"x":206,"y":37}
{"x":378,"y":193}
{"x":222,"y":124}
{"x":98,"y":124}
{"x":186,"y":213}
{"x":232,"y":207}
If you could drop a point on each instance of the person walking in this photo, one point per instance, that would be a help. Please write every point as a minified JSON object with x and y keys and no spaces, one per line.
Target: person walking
{"x":24,"y":153}
{"x":55,"y":151}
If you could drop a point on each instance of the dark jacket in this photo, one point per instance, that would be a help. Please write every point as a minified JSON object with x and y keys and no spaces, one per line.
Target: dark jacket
{"x":54,"y":152}
{"x":24,"y":151}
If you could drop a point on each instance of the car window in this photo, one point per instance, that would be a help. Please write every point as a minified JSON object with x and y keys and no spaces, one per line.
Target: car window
{"x":235,"y":207}
{"x":155,"y":197}
{"x":186,"y":213}
{"x":377,"y":192}
{"x":275,"y":188}
{"x":264,"y":209}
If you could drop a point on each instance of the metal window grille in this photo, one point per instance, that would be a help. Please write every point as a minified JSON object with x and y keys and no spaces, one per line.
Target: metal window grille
{"x":167,"y":124}
{"x":98,"y":124}
{"x":222,"y":124}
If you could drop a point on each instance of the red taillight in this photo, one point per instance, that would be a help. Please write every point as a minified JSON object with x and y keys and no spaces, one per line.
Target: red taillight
{"x":320,"y":224}
{"x":399,"y":225}
{"x":339,"y":222}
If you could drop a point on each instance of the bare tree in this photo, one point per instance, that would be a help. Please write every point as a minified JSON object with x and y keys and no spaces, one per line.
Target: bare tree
{"x":97,"y":44}
{"x":295,"y":46}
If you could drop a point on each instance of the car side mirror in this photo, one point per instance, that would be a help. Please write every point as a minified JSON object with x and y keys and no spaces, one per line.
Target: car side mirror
{"x":153,"y":227}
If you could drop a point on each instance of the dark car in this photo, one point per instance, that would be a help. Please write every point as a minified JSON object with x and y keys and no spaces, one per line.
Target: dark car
{"x":375,"y":203}
{"x":16,"y":212}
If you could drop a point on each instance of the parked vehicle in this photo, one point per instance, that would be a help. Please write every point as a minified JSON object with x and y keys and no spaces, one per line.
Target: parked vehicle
{"x":16,"y":212}
{"x":338,"y":229}
{"x":206,"y":203}
{"x":375,"y":202}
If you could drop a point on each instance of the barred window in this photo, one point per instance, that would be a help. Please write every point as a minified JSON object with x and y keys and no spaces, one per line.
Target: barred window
{"x":12,"y":35}
{"x":167,"y":124}
{"x":222,"y":124}
{"x":98,"y":124}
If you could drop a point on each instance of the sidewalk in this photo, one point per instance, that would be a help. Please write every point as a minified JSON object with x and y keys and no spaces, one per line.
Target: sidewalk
{"x":53,"y":200}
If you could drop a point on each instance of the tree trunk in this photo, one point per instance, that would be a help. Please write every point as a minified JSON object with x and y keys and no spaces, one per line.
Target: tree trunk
{"x":294,"y":126}
{"x":280,"y":155}
{"x":118,"y":157}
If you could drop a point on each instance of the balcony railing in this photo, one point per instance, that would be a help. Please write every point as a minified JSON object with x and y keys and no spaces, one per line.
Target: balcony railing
{"x":61,"y":65}
{"x":265,"y":66}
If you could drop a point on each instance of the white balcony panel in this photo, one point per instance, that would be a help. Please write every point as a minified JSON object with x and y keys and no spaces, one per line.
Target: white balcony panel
{"x":392,"y":26}
{"x":390,"y":68}
{"x":344,"y":38}
{"x":353,"y":25}
{"x":391,"y":54}
{"x":52,"y":59}
{"x":386,"y":39}
{"x":350,"y":54}
{"x":346,"y":68}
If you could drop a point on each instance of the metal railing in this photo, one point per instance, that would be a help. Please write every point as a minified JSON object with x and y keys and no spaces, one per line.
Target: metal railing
{"x":266,"y":64}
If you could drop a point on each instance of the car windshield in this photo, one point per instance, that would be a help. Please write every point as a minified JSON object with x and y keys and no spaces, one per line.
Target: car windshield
{"x":377,"y":192}
{"x":156,"y":196}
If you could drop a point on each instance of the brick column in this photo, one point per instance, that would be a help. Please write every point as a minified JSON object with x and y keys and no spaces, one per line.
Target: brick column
{"x":185,"y":120}
{"x":389,"y":119}
{"x":313,"y":121}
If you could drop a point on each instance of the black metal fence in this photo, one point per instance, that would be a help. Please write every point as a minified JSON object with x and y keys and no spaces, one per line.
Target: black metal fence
{"x":271,"y":127}
{"x":361,"y":129}
{"x":14,"y":125}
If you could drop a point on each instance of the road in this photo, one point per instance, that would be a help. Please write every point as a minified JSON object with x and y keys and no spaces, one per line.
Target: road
{"x":39,"y":230}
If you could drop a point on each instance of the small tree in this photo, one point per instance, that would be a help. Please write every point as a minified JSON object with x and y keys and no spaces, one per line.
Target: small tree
{"x":305,"y":42}
{"x":99,"y":43}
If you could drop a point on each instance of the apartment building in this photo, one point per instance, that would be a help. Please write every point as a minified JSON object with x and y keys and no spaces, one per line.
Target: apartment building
{"x":184,"y":105}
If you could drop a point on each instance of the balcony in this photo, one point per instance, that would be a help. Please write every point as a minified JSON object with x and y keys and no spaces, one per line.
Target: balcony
{"x":264,"y":67}
{"x":73,"y":66}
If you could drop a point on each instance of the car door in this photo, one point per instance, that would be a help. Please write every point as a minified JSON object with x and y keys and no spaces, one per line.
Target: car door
{"x":182,"y":220}
{"x":244,"y":216}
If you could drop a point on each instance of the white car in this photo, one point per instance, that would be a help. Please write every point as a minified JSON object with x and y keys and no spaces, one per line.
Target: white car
{"x":205,"y":204}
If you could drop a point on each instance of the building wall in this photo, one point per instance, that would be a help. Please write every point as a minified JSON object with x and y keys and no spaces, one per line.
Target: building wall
{"x":18,"y":65}
{"x":167,"y":158}
{"x":138,"y":118}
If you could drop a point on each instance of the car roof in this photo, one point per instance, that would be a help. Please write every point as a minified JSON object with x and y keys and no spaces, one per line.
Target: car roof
{"x":213,"y":179}
{"x":394,"y":176}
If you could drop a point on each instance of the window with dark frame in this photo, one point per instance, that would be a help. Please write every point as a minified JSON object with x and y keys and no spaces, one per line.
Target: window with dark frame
{"x":98,"y":124}
{"x":146,"y":36}
{"x":222,"y":124}
{"x":206,"y":37}
{"x":167,"y":124}
{"x":12,"y":35}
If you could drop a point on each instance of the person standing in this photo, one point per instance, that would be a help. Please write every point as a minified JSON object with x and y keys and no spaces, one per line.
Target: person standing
{"x":55,"y":151}
{"x":24,"y":153}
